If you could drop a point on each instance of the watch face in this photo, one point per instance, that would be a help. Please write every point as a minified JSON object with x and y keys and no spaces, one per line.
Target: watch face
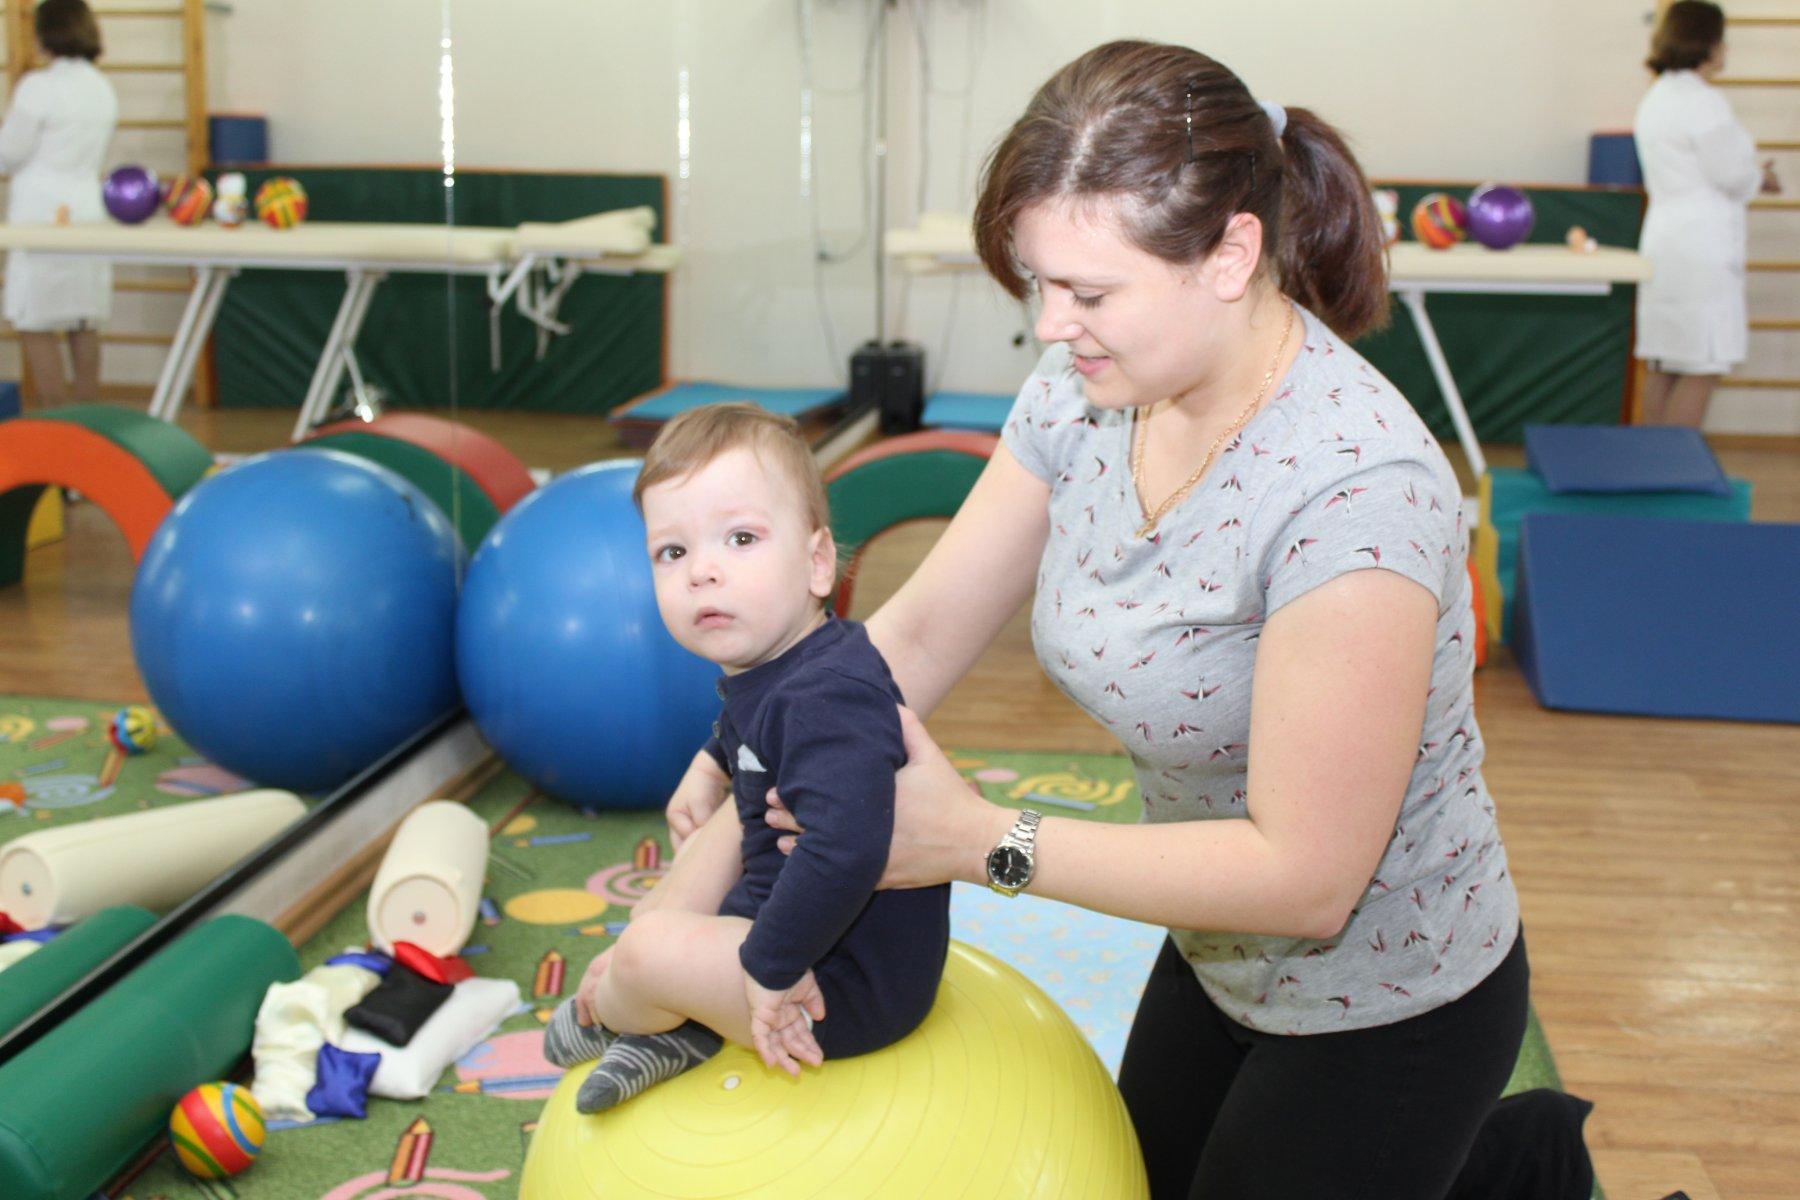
{"x":1008,"y":867}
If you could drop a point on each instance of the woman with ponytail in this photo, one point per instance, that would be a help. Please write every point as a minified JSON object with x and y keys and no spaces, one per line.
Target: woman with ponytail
{"x":1245,"y":554}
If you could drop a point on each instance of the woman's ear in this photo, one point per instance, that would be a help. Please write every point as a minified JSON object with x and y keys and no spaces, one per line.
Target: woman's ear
{"x":822,"y":552}
{"x":1233,"y":262}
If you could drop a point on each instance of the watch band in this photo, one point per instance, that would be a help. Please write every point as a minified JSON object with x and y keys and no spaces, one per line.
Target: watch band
{"x":1023,"y":834}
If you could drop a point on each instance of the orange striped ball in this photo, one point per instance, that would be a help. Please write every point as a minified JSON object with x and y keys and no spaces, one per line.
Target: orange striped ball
{"x":189,"y":199}
{"x":217,"y":1130}
{"x":281,"y":202}
{"x":1440,"y":221}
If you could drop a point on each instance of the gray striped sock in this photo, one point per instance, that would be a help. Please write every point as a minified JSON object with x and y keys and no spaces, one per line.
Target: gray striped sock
{"x":635,"y":1061}
{"x":568,"y":1042}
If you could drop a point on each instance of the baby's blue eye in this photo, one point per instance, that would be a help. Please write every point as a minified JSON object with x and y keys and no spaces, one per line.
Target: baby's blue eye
{"x":743,"y":537}
{"x":668,"y":554}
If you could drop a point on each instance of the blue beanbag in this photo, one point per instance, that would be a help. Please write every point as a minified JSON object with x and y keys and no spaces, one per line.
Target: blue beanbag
{"x":342,"y":1089}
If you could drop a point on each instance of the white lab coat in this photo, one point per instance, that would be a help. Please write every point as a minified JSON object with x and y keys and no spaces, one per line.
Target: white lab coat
{"x":1700,"y":171}
{"x":53,"y":143}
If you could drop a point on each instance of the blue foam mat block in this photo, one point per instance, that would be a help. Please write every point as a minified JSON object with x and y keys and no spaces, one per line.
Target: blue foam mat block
{"x":966,"y":410}
{"x":680,"y":397}
{"x":1659,"y":617}
{"x":1623,"y":458}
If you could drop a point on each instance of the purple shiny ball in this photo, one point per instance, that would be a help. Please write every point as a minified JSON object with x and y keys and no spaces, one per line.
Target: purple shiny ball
{"x":131,"y":194}
{"x":1499,"y":216}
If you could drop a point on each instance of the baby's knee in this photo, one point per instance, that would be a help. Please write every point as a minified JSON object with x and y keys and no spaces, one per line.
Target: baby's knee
{"x":643,"y":946}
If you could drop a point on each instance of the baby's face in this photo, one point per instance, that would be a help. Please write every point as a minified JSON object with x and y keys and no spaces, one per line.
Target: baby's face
{"x":738,"y":573}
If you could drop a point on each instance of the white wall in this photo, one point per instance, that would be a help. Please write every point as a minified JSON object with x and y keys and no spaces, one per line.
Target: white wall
{"x":1485,"y":89}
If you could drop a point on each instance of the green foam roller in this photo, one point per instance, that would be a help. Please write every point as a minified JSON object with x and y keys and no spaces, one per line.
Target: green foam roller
{"x":34,"y":981}
{"x":79,"y":1103}
{"x":448,"y":486}
{"x":173,"y":458}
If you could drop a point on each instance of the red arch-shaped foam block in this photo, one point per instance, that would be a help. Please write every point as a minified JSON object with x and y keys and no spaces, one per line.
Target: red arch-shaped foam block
{"x":62,"y":454}
{"x":496,"y":470}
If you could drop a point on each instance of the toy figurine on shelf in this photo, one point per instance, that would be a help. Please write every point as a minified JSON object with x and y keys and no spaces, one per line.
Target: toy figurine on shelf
{"x":233,"y":204}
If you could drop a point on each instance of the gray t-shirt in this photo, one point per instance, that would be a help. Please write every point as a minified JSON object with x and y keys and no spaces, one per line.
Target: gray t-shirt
{"x":1156,"y":639}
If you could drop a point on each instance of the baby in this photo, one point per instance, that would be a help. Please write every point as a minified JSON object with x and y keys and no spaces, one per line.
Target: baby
{"x":798,"y":956}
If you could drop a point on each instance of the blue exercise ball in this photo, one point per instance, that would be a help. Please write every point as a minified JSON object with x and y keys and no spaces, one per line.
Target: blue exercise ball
{"x":294,"y":616}
{"x":564,"y":661}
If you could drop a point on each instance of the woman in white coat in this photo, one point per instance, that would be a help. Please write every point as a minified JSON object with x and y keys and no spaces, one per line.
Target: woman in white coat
{"x":1700,"y":170}
{"x":53,"y":144}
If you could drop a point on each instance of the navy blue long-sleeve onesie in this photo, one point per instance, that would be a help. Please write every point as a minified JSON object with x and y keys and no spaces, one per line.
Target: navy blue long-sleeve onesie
{"x":819,"y":725}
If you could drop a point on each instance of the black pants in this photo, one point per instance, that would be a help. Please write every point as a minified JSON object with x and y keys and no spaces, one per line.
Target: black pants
{"x":1389,"y":1113}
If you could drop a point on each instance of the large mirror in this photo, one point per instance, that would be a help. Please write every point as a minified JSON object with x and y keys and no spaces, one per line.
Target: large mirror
{"x":338,"y":710}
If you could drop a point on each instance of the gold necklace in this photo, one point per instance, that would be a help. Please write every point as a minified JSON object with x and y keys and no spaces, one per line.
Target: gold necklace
{"x":1140,"y":432}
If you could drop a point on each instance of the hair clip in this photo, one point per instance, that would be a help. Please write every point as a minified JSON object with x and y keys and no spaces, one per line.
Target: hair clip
{"x":1191,"y":157}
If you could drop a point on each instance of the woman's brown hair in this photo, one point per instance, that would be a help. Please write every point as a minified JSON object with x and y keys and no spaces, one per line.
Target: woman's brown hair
{"x":67,"y":29}
{"x":1685,"y":37}
{"x":1181,"y":141}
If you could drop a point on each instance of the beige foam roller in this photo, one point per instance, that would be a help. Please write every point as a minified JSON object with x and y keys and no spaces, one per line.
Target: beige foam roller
{"x":155,"y":859}
{"x":428,"y":890}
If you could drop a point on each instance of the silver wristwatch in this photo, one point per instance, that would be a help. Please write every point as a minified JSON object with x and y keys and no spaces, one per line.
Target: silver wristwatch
{"x":1011,"y":864}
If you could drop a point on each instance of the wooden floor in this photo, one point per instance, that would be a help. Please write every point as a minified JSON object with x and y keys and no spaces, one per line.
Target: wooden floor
{"x":1658,"y":861}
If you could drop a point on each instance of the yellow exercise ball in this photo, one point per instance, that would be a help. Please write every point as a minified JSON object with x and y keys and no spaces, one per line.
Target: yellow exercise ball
{"x":997,"y":1096}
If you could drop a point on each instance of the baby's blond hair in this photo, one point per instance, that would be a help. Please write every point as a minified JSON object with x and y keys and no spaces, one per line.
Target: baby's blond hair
{"x":698,"y":436}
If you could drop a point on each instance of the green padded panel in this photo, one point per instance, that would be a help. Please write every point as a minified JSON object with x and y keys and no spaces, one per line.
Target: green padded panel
{"x":425,"y":340}
{"x":82,"y":1101}
{"x":1520,"y":359}
{"x":34,"y":981}
{"x":906,"y":487}
{"x":15,"y":522}
{"x":457,"y":496}
{"x":173,"y":458}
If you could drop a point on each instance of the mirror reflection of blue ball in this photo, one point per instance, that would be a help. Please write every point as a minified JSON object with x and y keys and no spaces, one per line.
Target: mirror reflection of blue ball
{"x":293,"y":617}
{"x":563,"y":658}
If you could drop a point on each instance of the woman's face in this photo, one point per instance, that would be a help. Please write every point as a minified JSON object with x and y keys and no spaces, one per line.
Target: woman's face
{"x":1142,"y":329}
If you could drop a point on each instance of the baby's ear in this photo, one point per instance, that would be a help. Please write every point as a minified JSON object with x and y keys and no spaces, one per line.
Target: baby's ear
{"x":824,"y":563}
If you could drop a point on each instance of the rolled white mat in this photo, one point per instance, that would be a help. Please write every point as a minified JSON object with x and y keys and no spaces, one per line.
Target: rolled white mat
{"x":155,"y":859}
{"x":428,"y":890}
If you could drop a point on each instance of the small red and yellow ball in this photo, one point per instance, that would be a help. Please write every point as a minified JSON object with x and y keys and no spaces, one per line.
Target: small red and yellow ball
{"x":217,"y":1130}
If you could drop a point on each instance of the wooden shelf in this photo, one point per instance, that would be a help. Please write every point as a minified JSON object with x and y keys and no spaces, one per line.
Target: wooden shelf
{"x":1775,"y":323}
{"x":113,"y":339}
{"x":1761,"y":385}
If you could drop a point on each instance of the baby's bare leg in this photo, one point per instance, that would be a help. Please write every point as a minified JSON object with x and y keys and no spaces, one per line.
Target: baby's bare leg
{"x":669,"y":966}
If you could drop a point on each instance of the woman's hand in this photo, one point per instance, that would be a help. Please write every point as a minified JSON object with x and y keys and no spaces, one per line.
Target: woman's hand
{"x":696,"y":798}
{"x":943,"y":829}
{"x":781,"y":1022}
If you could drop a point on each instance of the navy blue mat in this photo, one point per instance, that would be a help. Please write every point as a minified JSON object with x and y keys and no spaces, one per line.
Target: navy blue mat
{"x":1659,"y":617}
{"x":1623,"y":458}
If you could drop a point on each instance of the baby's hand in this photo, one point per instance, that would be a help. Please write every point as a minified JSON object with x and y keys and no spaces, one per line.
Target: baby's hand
{"x":584,"y":991}
{"x":781,"y":1022}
